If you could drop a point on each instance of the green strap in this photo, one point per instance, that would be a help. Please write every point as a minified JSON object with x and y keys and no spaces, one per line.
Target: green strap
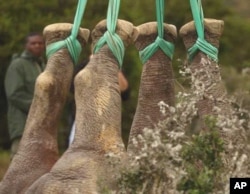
{"x":167,"y":47}
{"x":113,"y":41}
{"x":71,"y":42}
{"x":201,"y":44}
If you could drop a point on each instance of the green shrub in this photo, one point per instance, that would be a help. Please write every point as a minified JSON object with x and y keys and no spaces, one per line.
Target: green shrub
{"x":202,"y":161}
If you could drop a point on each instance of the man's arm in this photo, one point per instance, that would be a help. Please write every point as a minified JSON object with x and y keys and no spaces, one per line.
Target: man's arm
{"x":124,"y":86}
{"x":122,"y":81}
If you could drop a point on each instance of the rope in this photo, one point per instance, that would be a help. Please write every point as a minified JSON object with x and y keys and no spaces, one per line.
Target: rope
{"x":110,"y":38}
{"x":167,"y":47}
{"x":71,"y":42}
{"x":201,"y":44}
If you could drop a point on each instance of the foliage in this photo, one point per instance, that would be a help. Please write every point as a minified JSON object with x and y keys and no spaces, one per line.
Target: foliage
{"x":174,"y":158}
{"x":203,"y":162}
{"x":172,"y":161}
{"x":238,"y":85}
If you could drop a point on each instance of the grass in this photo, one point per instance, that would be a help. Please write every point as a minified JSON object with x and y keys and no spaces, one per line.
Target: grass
{"x":4,"y":162}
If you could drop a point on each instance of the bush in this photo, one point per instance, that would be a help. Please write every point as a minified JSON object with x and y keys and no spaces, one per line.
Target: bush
{"x":178,"y":156}
{"x":202,"y":161}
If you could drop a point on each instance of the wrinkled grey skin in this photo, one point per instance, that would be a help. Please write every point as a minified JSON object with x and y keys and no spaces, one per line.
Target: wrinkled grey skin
{"x":157,"y":80}
{"x":38,"y":150}
{"x":206,"y":70}
{"x":98,"y":124}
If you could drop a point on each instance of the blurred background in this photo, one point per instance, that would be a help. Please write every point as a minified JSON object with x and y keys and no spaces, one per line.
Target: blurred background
{"x":19,"y":17}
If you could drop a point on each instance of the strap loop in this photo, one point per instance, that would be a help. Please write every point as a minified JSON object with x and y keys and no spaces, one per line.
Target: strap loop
{"x":71,"y":43}
{"x":167,"y":47}
{"x":201,"y":44}
{"x":113,"y":41}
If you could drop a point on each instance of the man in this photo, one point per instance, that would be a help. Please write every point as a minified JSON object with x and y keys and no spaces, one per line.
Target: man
{"x":19,"y":86}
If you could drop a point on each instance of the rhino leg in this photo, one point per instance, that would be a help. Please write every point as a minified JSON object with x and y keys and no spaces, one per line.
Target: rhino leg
{"x":157,"y":80}
{"x":98,"y":124}
{"x":206,"y":71}
{"x":38,"y":150}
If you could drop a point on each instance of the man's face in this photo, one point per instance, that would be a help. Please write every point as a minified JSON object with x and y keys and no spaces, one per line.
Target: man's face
{"x":35,"y":45}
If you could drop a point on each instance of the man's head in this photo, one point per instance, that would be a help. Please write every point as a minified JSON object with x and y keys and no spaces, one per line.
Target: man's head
{"x":34,"y":43}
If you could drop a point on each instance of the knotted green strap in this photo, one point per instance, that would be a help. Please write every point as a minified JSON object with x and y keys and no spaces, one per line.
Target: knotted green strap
{"x":113,"y":41}
{"x":71,"y":42}
{"x":201,"y":44}
{"x":167,"y":47}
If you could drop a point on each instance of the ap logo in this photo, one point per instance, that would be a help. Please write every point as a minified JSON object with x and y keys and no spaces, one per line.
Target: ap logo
{"x":239,"y":185}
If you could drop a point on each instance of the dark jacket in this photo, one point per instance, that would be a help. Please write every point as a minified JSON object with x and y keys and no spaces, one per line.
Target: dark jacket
{"x":19,"y":87}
